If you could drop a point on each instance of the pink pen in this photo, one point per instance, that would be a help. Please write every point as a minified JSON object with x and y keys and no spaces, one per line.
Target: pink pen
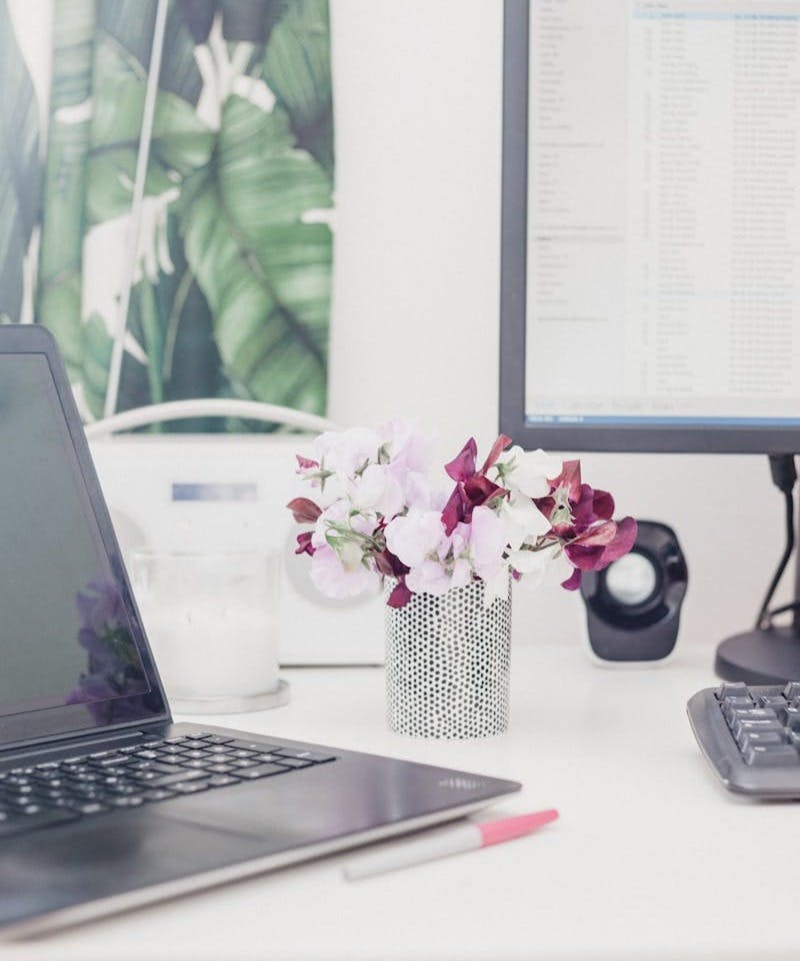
{"x":441,"y":844}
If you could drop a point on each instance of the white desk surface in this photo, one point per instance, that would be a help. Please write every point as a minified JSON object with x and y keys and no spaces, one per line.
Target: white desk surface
{"x":650,"y":859}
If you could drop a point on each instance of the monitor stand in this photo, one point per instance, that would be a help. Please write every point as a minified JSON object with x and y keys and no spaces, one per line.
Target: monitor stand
{"x":760,"y":657}
{"x":764,"y":656}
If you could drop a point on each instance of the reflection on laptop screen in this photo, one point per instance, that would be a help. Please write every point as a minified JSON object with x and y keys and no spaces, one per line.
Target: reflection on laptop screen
{"x":65,"y":637}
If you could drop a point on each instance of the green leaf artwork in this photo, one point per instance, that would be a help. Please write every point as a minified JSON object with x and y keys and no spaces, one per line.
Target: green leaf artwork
{"x":232,"y":275}
{"x":20,"y":171}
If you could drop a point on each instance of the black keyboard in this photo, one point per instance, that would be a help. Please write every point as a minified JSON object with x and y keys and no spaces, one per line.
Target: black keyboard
{"x":751,"y":736}
{"x":153,"y":770}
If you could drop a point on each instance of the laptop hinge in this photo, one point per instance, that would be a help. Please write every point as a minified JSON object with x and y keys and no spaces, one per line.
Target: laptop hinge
{"x":84,"y":743}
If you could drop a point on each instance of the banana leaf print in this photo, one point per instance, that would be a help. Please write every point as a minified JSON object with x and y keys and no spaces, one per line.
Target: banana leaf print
{"x":20,"y":171}
{"x":231,"y":288}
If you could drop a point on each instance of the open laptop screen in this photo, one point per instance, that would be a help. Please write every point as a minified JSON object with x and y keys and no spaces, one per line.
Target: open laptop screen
{"x":67,"y":631}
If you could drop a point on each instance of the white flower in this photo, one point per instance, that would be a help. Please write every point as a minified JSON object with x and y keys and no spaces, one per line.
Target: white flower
{"x":527,"y":471}
{"x":524,"y":519}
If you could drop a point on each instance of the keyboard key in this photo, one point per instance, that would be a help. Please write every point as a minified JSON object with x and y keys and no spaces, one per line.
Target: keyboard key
{"x":127,"y":801}
{"x":159,"y":794}
{"x":224,"y":768}
{"x":792,"y":690}
{"x":294,"y":762}
{"x":254,"y":746}
{"x":174,"y":779}
{"x":222,"y":780}
{"x":737,"y":689}
{"x":263,"y":770}
{"x":763,"y":737}
{"x":89,"y":807}
{"x":315,"y":756}
{"x":216,"y":739}
{"x":192,"y":787}
{"x":779,"y":755}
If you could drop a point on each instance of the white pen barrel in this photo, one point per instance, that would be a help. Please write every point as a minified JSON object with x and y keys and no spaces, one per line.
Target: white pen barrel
{"x":466,"y":837}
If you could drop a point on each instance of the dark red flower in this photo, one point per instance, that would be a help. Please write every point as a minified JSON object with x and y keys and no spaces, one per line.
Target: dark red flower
{"x":400,"y":596}
{"x":304,"y":545}
{"x":304,"y":463}
{"x":462,"y":465}
{"x":497,"y":449}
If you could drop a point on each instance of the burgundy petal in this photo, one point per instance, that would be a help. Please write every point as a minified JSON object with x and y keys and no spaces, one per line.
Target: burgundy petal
{"x":625,"y":538}
{"x":497,"y":449}
{"x":304,"y":511}
{"x":453,"y":512}
{"x":479,"y":489}
{"x":584,"y":558}
{"x":573,"y":582}
{"x":304,"y":543}
{"x":400,"y":596}
{"x":304,"y":463}
{"x":389,"y":565}
{"x":462,"y":465}
{"x":583,"y":511}
{"x":545,"y":505}
{"x":599,"y":535}
{"x":603,"y":505}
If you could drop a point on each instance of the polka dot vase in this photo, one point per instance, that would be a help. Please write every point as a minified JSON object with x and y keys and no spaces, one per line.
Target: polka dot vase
{"x":447,"y":664}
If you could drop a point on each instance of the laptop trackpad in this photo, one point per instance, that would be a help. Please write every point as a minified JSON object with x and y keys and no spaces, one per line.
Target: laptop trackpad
{"x":106,"y":857}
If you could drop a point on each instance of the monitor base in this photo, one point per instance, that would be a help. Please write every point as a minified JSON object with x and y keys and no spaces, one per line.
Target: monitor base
{"x":760,"y":657}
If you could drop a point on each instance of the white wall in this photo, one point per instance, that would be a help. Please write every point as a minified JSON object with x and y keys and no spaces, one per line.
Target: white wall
{"x":417,"y":87}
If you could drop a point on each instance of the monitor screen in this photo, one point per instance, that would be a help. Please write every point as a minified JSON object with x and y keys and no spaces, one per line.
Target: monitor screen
{"x":651,"y":264}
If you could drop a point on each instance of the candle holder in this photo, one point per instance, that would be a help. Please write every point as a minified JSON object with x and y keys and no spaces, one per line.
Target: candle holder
{"x":212,"y":620}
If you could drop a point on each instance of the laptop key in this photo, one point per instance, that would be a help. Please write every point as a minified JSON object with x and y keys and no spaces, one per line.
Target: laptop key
{"x":172,"y":779}
{"x":317,"y":757}
{"x":263,"y":770}
{"x":159,"y":794}
{"x":126,"y":801}
{"x":294,"y":762}
{"x":90,"y":807}
{"x":222,"y":768}
{"x":222,"y":780}
{"x":191,"y":787}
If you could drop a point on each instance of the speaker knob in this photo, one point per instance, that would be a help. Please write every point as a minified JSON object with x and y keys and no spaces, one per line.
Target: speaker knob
{"x":632,"y":579}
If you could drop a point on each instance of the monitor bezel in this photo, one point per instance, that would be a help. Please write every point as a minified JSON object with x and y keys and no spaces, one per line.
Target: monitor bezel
{"x":656,"y":438}
{"x":77,"y":720}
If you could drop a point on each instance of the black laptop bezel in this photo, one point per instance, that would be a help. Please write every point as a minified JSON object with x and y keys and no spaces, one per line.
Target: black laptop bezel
{"x":76,"y":720}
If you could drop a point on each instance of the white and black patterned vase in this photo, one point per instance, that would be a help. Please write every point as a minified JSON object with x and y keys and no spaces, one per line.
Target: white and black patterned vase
{"x":447,"y":664}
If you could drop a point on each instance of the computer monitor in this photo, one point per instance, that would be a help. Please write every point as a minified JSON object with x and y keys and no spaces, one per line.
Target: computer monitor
{"x":650,"y":257}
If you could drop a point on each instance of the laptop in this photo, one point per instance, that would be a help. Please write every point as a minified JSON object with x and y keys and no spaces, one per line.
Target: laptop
{"x":105,"y":803}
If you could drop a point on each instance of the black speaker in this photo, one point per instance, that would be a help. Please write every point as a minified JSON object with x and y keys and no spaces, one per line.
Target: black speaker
{"x":633,"y":607}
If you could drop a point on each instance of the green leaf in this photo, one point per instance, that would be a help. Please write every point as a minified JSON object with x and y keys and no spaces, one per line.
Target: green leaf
{"x":264,"y":271}
{"x":60,"y":255}
{"x":20,"y":169}
{"x":297,"y":68}
{"x":130,"y":25}
{"x":181,"y":142}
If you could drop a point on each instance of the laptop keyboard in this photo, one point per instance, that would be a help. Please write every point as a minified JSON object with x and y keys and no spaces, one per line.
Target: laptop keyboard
{"x":154,"y":770}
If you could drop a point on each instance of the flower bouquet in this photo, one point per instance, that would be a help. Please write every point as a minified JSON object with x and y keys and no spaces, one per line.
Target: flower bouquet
{"x":378,"y":513}
{"x":446,"y":550}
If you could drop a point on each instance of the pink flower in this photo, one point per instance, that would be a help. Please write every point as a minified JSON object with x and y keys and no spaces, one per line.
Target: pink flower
{"x":415,"y":536}
{"x":340,"y":578}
